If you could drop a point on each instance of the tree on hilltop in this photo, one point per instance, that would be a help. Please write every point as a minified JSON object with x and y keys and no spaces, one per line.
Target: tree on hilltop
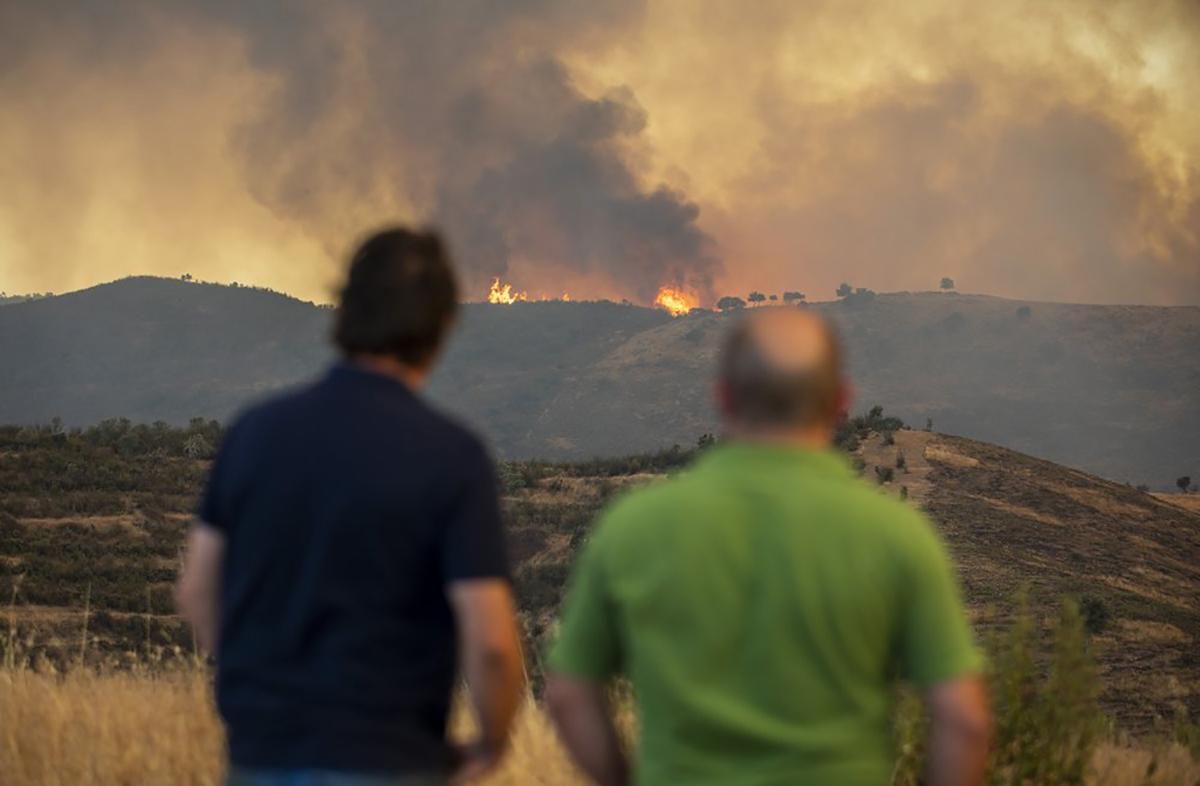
{"x":844,"y":290}
{"x":947,"y":283}
{"x":757,"y":297}
{"x":792,"y":297}
{"x":730,"y":303}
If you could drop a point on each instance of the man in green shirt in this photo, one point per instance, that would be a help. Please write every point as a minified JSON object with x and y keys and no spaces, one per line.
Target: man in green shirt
{"x":765,"y":603}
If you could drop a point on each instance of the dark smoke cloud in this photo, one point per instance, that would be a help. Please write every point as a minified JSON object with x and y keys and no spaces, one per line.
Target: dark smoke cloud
{"x":465,"y":109}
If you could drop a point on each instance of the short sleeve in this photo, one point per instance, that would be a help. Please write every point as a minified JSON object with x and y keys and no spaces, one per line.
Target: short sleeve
{"x":472,"y":533}
{"x":216,"y":501}
{"x":936,"y":643}
{"x":588,"y":644}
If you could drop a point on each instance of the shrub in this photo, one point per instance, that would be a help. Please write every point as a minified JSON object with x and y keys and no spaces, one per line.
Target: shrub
{"x":1096,"y":614}
{"x":885,"y":474}
{"x":1047,"y":722}
{"x":901,"y":461}
{"x":1046,"y":727}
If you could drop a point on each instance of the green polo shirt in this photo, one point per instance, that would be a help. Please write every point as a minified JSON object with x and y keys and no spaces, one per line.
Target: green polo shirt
{"x":764,"y":604}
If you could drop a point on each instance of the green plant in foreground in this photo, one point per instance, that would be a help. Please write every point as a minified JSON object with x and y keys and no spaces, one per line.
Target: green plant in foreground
{"x":1047,"y":721}
{"x":1047,"y":727}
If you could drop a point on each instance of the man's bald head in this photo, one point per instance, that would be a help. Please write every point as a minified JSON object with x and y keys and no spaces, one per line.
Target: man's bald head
{"x":782,"y":369}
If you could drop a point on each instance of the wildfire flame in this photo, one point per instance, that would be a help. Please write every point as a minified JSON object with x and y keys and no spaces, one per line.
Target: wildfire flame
{"x":503,"y":294}
{"x":676,"y":301}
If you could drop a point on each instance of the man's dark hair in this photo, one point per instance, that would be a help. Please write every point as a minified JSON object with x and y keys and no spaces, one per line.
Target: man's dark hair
{"x":400,"y":297}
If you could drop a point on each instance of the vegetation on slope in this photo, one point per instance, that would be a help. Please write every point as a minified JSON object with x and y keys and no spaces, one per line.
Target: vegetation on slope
{"x":94,"y":519}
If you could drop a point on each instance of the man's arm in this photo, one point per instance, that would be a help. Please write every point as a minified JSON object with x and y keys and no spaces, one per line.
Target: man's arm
{"x":492,"y":663}
{"x":198,"y":590}
{"x":959,"y":732}
{"x":939,"y":655}
{"x":581,"y":712}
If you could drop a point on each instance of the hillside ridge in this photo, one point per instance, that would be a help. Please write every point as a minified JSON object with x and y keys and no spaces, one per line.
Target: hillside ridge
{"x":1111,"y":389}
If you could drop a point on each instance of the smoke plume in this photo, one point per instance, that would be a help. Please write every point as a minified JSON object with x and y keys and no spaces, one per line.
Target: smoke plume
{"x":1024,"y":149}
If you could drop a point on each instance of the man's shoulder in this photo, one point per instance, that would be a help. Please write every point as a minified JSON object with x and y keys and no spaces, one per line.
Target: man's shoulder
{"x":638,"y":511}
{"x":269,"y":409}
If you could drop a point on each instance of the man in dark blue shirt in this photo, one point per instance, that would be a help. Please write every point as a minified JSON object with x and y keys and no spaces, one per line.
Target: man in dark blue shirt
{"x":348,"y":554}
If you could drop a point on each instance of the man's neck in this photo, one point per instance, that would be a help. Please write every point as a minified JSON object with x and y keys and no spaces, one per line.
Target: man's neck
{"x":410,"y":376}
{"x":808,"y":438}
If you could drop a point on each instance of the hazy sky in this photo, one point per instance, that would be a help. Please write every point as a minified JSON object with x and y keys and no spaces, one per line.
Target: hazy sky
{"x":1027,"y":149}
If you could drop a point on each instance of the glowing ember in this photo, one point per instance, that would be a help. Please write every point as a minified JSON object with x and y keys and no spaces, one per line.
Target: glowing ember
{"x":676,"y":301}
{"x":503,"y":294}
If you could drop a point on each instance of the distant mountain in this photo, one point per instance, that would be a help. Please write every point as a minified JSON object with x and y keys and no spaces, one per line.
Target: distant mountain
{"x":1112,"y":389}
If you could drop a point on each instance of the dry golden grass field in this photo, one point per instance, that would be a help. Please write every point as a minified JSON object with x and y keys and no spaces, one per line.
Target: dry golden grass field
{"x":160,"y":729}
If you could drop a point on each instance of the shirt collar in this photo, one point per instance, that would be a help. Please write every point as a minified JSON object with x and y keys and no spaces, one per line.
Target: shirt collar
{"x":349,"y":371}
{"x":766,"y":455}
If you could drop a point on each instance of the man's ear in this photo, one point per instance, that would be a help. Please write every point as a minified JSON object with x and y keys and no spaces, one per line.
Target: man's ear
{"x":723,"y":399}
{"x":844,"y":400}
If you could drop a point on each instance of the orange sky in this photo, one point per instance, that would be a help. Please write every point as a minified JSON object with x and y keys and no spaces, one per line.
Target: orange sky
{"x":1027,"y":149}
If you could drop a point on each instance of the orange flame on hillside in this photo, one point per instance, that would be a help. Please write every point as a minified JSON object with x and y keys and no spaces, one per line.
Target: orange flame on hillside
{"x":503,"y":294}
{"x":676,"y":301}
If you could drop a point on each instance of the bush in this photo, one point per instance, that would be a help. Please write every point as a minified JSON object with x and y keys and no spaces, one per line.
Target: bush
{"x":901,"y":461}
{"x":885,"y":474}
{"x":1096,"y":614}
{"x":1047,"y":722}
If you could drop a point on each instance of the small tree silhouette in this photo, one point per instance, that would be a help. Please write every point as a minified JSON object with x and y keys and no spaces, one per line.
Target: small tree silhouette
{"x":1183,"y":483}
{"x":730,"y":303}
{"x":756,"y":297}
{"x":947,"y":283}
{"x":792,"y":297}
{"x":844,"y":290}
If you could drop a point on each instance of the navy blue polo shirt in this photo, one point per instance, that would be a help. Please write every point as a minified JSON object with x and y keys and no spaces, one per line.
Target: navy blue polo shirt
{"x":347,"y":508}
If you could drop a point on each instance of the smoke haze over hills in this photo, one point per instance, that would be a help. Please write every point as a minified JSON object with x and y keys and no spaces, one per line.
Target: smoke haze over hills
{"x":1026,"y":149}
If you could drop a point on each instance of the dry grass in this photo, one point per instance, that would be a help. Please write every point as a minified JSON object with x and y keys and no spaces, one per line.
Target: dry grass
{"x":117,"y":729}
{"x":135,"y":729}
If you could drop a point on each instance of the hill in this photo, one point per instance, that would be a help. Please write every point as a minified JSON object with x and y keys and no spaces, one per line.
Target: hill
{"x":1110,"y":389}
{"x":94,"y":521}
